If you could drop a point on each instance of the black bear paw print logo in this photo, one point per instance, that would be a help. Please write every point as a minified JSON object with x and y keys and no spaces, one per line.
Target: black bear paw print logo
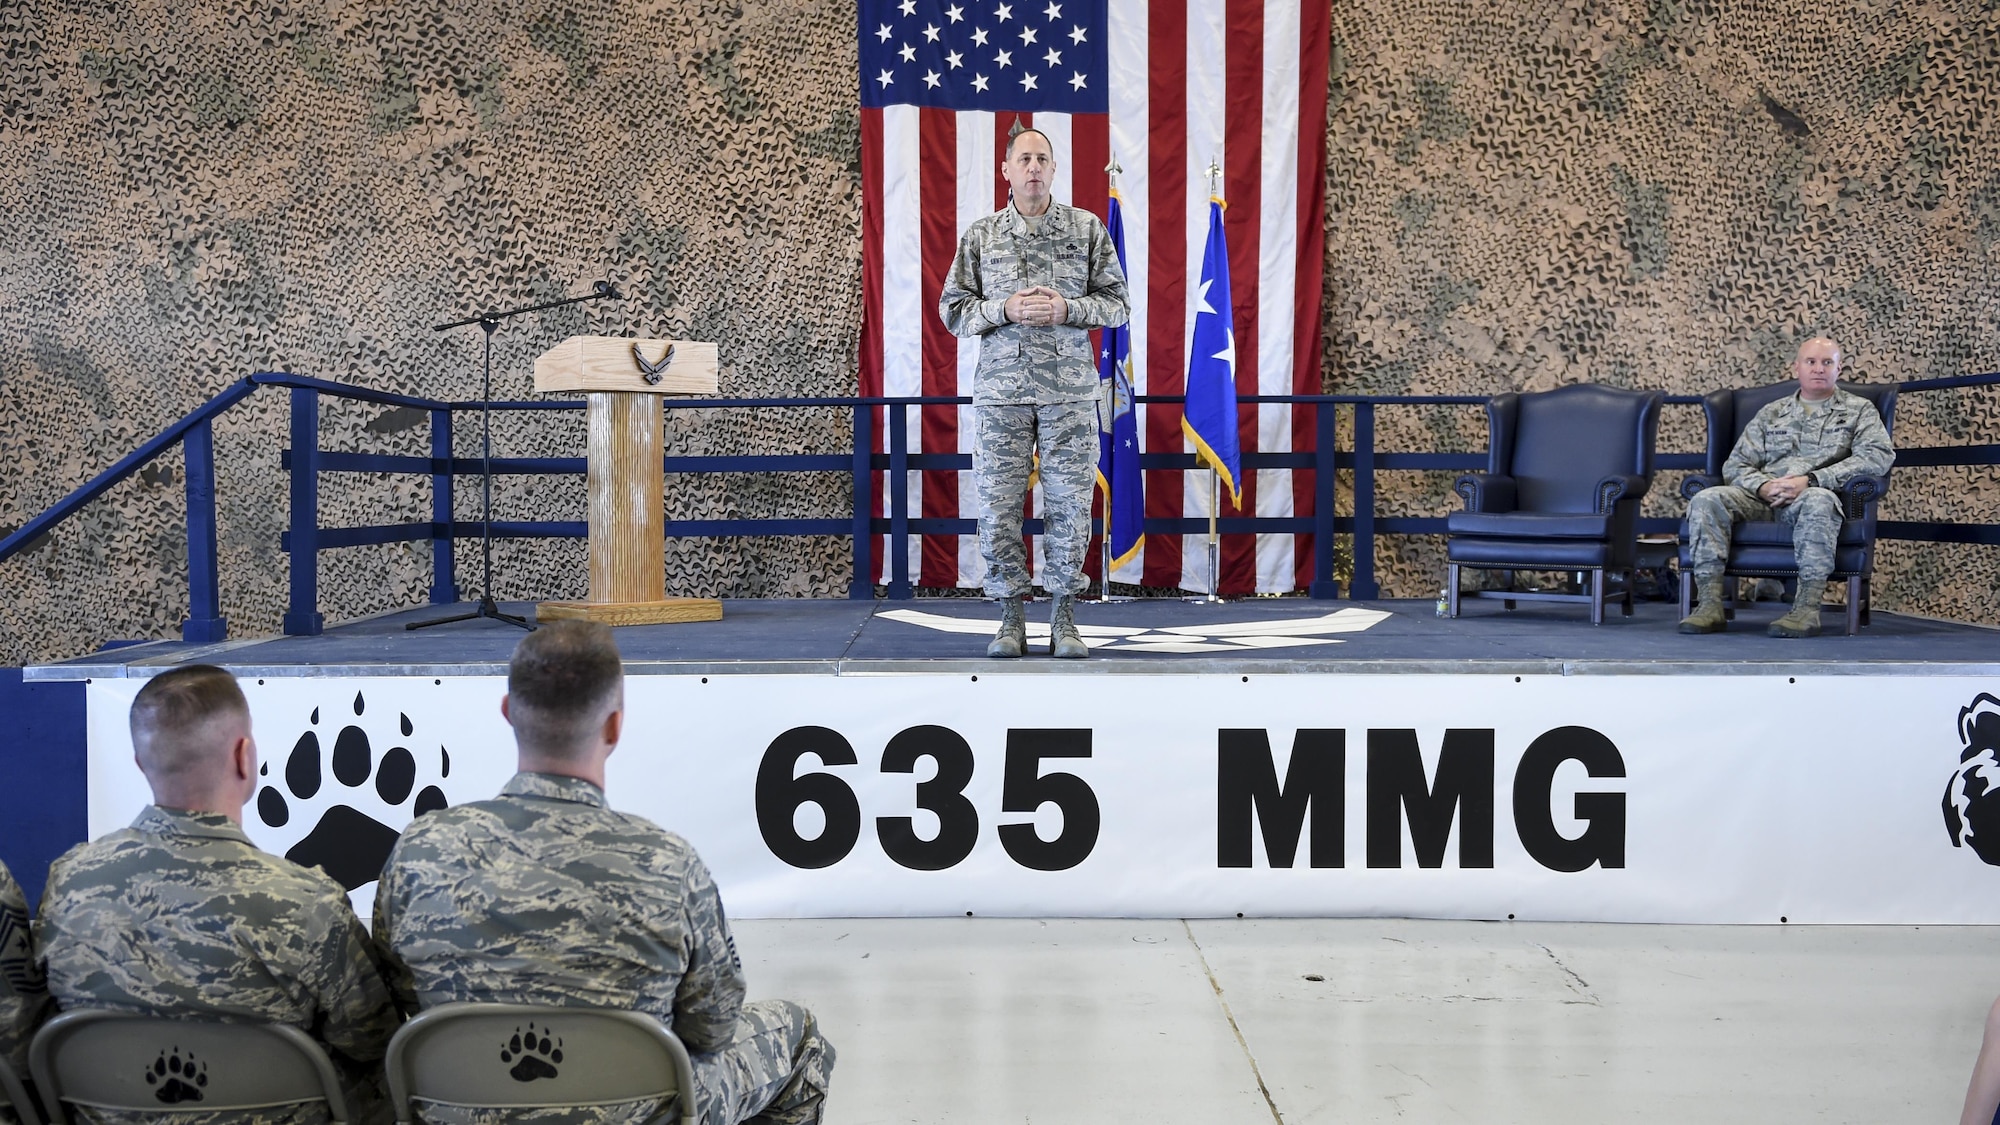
{"x":1972,"y":800}
{"x":534,"y":1054}
{"x":347,"y":843}
{"x":175,"y":1079}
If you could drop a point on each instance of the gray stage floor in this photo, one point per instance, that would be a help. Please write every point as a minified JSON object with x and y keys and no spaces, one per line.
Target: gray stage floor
{"x":988,"y":1020}
{"x":1268,"y":635}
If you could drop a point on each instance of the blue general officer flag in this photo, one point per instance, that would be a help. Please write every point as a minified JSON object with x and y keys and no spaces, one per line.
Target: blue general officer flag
{"x":1210,"y":418}
{"x":953,"y":54}
{"x":1118,"y":427}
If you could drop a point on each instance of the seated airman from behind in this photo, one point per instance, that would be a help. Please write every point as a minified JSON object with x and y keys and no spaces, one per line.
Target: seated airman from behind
{"x":545,"y":895}
{"x":24,"y":996}
{"x":181,"y":915}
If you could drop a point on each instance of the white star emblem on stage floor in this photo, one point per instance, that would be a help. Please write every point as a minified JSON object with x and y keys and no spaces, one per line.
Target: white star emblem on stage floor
{"x":1230,"y":636}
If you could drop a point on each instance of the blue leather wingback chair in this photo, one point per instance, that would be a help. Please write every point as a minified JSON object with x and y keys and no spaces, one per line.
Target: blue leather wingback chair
{"x":1763,"y":549}
{"x":1565,"y":472}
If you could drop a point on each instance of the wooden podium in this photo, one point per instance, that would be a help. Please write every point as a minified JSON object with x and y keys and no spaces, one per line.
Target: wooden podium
{"x":627,"y":486}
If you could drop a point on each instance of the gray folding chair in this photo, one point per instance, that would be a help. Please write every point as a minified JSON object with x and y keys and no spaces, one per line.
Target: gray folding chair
{"x":15,"y":1099}
{"x":523,"y":1056}
{"x":162,"y":1066}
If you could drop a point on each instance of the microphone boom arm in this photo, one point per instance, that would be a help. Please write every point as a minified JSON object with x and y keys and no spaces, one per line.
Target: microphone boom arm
{"x":604,"y":289}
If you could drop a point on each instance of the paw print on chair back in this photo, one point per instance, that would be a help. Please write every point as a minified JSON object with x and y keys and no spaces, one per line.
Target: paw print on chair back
{"x":176,"y":1077}
{"x":533,"y":1054}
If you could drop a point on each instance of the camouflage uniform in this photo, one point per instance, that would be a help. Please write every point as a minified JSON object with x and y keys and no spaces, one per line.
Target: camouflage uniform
{"x":546,"y":896}
{"x":1834,"y":440}
{"x":24,"y":996}
{"x":181,"y":915}
{"x":1036,"y":385}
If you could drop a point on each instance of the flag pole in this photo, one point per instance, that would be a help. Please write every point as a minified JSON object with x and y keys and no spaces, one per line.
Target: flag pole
{"x":1214,"y":477}
{"x":1104,"y":552}
{"x":1111,"y":170}
{"x":1214,"y":539}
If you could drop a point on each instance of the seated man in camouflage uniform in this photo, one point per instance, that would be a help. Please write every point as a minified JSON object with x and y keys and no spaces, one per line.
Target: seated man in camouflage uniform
{"x":181,"y":915}
{"x":24,"y":997}
{"x":1786,"y":466}
{"x":545,"y":895}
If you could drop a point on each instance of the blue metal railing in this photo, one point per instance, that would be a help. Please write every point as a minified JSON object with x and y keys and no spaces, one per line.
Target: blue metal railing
{"x":305,"y":462}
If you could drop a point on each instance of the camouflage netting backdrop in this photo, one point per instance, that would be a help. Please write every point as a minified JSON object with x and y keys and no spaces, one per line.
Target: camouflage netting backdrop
{"x":1521,"y":194}
{"x":1663,"y":194}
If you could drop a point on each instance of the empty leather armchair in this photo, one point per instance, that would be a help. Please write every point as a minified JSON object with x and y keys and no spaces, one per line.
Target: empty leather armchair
{"x":1566,"y":470}
{"x":1763,"y":548}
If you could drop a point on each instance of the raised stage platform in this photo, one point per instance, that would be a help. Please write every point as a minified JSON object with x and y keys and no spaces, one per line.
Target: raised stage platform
{"x":1260,"y":635}
{"x":1265,"y":757}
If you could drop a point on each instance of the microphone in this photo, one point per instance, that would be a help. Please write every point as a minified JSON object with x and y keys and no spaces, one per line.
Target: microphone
{"x":606,"y":289}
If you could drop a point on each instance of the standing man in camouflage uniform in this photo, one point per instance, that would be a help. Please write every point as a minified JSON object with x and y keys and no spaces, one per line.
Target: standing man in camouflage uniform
{"x":24,"y":996}
{"x":1787,"y":466}
{"x":181,"y":915}
{"x":1032,"y":280}
{"x":545,"y":895}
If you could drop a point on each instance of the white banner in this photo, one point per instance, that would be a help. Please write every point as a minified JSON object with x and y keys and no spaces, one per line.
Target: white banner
{"x":1589,"y":798}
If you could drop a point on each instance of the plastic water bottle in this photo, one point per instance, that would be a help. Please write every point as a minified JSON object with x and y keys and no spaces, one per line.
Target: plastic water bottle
{"x":1444,"y":602}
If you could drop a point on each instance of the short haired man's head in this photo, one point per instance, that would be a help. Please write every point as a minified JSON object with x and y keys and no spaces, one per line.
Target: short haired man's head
{"x":564,"y":681}
{"x":1817,"y":368}
{"x":186,"y":726}
{"x":1030,"y":170}
{"x":1015,"y":140}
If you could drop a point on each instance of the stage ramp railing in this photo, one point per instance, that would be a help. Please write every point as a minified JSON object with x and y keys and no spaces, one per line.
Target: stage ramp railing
{"x":880,"y":479}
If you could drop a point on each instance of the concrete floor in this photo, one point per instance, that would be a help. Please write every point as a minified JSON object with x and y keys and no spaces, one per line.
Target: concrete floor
{"x":1009,"y":1020}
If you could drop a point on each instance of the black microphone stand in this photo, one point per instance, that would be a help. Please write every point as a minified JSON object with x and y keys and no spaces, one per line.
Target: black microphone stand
{"x":487,"y":322}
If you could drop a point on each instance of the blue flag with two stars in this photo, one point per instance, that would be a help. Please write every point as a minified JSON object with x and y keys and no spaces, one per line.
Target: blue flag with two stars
{"x":1117,"y":425}
{"x":1210,"y":418}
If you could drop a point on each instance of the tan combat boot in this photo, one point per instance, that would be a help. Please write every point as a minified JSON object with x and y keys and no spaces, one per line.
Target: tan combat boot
{"x":1803,"y":620}
{"x":1065,"y":643}
{"x":1012,"y":639}
{"x":1707,"y":616}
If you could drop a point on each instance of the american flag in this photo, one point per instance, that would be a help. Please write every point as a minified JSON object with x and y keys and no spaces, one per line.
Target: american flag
{"x":1163,"y":88}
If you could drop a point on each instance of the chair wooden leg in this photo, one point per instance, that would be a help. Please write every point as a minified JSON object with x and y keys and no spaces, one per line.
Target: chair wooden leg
{"x":1866,"y":601}
{"x":1451,"y":589}
{"x":1631,"y":580}
{"x":1853,"y":605}
{"x":1597,"y":596}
